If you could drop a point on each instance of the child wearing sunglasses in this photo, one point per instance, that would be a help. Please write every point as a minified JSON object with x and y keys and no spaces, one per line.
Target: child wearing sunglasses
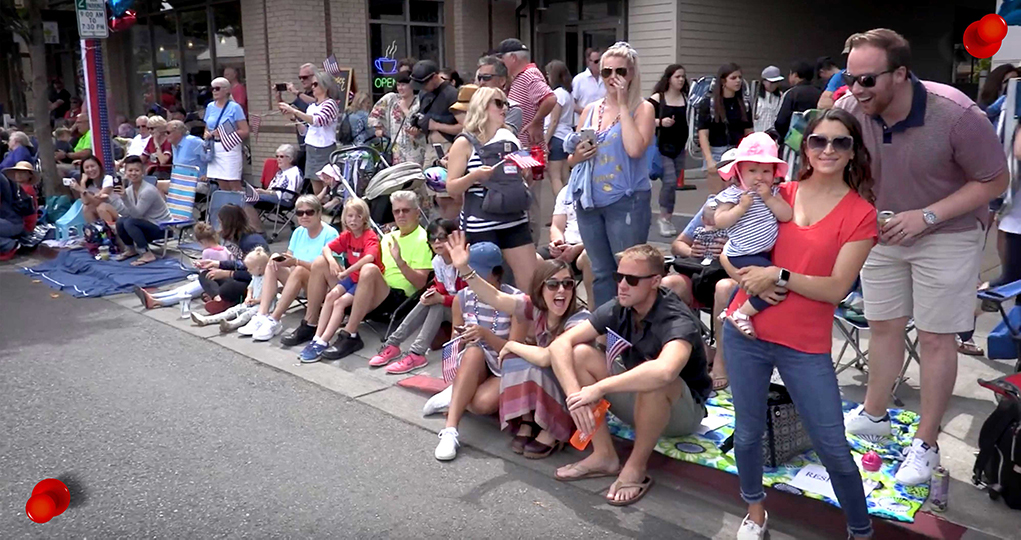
{"x":432,"y":310}
{"x":750,"y":210}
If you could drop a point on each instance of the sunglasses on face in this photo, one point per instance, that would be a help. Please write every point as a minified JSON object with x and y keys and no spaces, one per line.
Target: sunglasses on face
{"x":499,"y":103}
{"x":401,"y":211}
{"x":304,"y":77}
{"x":315,"y":84}
{"x":304,"y":213}
{"x":631,"y":280}
{"x":608,"y":72}
{"x":438,"y":238}
{"x":215,"y":88}
{"x":485,"y":77}
{"x":282,"y":157}
{"x":555,"y":284}
{"x":142,"y":127}
{"x":866,"y":81}
{"x":841,"y":143}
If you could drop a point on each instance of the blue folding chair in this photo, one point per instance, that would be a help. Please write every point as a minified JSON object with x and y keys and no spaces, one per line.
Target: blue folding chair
{"x":181,"y":203}
{"x":1009,"y":330}
{"x":217,"y":200}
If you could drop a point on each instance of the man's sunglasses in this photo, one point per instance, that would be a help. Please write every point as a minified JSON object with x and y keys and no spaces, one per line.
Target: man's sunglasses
{"x":484,"y":77}
{"x":554,"y":284}
{"x":142,"y":127}
{"x":303,"y":77}
{"x":608,"y":72}
{"x":866,"y":81}
{"x":841,"y":143}
{"x":303,"y":213}
{"x":400,"y":211}
{"x":631,"y":280}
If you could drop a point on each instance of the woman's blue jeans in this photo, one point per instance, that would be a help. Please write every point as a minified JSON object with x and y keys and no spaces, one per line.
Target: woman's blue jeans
{"x":812,"y":384}
{"x":609,"y":230}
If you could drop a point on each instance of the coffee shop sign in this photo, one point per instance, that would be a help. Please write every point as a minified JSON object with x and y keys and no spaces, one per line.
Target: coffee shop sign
{"x":386,"y":67}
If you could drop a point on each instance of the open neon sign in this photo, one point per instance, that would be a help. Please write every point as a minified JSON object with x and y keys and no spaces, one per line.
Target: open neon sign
{"x":386,"y":66}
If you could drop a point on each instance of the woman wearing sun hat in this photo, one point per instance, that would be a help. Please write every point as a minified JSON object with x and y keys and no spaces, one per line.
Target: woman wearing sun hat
{"x":15,"y":204}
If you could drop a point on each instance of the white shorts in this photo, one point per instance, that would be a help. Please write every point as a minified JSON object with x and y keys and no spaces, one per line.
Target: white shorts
{"x":933,"y":281}
{"x":225,"y":165}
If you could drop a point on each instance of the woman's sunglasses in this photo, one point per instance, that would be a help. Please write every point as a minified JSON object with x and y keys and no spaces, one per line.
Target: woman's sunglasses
{"x":279,"y":156}
{"x":631,"y":280}
{"x":555,"y":284}
{"x":608,"y":72}
{"x":841,"y":143}
{"x":499,"y":103}
{"x":303,"y":213}
{"x":866,"y":81}
{"x":437,"y":238}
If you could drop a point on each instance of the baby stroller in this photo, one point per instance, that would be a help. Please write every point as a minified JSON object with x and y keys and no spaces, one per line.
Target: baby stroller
{"x":355,"y":164}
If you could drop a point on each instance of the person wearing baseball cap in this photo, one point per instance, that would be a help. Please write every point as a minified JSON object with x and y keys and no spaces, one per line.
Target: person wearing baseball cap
{"x":529,"y":89}
{"x":481,"y":332}
{"x":435,"y":96}
{"x":768,"y":100}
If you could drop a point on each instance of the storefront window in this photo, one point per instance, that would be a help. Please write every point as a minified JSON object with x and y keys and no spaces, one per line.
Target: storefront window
{"x":168,"y":62}
{"x":398,"y":29}
{"x":140,"y":69}
{"x":197,"y":63}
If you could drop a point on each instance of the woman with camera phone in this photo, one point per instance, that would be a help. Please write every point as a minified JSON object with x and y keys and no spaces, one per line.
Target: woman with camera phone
{"x":321,"y":117}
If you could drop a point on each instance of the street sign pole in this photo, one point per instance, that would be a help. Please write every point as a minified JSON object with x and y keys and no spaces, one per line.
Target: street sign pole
{"x":92,"y":29}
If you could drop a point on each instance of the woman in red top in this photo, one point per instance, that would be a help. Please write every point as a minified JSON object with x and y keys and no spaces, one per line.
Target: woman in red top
{"x":817,"y":257}
{"x":159,"y":153}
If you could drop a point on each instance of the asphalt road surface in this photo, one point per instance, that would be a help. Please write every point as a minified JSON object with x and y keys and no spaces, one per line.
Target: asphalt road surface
{"x":161,"y":434}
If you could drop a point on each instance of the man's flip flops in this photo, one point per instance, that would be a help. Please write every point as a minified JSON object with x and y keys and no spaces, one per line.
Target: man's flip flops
{"x":642,"y":487}
{"x":585,"y":474}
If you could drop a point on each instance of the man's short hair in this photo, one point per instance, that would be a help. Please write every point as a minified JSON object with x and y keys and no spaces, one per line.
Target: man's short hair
{"x":803,"y":69}
{"x":178,"y":126}
{"x":825,"y":62}
{"x":407,"y":196}
{"x":498,"y":65}
{"x":133,"y":160}
{"x":21,"y":138}
{"x":647,"y":253}
{"x":898,"y":50}
{"x":589,"y":51}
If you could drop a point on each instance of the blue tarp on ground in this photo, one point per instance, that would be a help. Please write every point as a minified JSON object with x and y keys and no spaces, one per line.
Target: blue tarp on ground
{"x":80,"y":275}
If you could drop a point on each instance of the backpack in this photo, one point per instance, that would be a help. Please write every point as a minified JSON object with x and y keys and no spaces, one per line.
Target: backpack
{"x":702,"y":90}
{"x":506,"y":193}
{"x":345,"y":135}
{"x":98,"y":234}
{"x":998,"y":465}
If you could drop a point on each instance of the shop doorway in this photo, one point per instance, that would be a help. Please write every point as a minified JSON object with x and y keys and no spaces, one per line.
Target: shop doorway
{"x":565,"y":29}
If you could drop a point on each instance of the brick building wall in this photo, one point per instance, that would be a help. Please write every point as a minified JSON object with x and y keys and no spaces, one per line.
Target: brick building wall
{"x":470,"y":27}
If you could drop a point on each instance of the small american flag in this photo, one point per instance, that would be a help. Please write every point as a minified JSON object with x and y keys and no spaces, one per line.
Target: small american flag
{"x":615,"y":346}
{"x":330,"y":66}
{"x":523,"y":159}
{"x":229,"y":137}
{"x":451,"y":359}
{"x":254,"y":122}
{"x":251,"y":196}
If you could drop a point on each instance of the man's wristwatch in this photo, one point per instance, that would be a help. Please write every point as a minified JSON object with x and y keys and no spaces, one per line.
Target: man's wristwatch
{"x":783,"y":278}
{"x":929,"y":216}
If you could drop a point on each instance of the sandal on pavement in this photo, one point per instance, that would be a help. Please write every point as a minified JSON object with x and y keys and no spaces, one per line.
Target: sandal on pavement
{"x":743,"y":323}
{"x":969,"y":348}
{"x":584,"y":473}
{"x":537,"y":450}
{"x":643,"y":488}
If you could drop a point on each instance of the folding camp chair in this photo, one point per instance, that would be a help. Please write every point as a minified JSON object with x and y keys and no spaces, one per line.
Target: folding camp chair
{"x":850,"y":325}
{"x":993,"y":300}
{"x":181,"y":203}
{"x":218,"y":200}
{"x":282,"y":213}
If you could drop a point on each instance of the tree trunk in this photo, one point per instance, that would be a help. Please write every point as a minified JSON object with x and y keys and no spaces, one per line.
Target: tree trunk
{"x":41,"y":103}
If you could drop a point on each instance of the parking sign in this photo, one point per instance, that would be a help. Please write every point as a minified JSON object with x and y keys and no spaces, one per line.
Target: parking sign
{"x":91,"y":19}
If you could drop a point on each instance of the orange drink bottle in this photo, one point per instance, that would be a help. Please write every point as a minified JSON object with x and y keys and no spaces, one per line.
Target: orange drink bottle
{"x":580,"y":440}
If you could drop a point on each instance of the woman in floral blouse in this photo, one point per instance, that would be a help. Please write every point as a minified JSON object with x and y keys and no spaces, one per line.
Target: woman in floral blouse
{"x":390,"y":117}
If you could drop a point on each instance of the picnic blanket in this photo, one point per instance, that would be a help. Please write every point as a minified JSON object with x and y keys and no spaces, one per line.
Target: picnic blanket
{"x":80,"y":275}
{"x":888,"y":500}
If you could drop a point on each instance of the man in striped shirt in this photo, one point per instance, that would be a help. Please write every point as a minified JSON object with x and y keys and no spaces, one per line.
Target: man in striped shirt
{"x":529,"y":89}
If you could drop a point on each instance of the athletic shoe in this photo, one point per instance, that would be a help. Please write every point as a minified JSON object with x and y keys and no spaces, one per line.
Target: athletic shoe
{"x":344,"y":346}
{"x":752,"y":531}
{"x":253,"y":325}
{"x":438,"y":403}
{"x":856,"y":423}
{"x":919,"y":461}
{"x":312,"y":352}
{"x":409,"y":363}
{"x":304,"y":332}
{"x":666,"y":228}
{"x":385,"y":356}
{"x":447,"y":449}
{"x":267,"y":330}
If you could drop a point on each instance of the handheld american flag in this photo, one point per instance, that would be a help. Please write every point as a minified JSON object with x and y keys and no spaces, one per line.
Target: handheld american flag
{"x":229,"y":137}
{"x":615,"y":346}
{"x":523,"y":159}
{"x":330,"y":66}
{"x":251,"y":196}
{"x":254,"y":122}
{"x":451,"y":359}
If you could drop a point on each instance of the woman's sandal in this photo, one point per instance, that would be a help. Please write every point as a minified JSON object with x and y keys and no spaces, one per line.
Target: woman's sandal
{"x":720,"y":383}
{"x":643,"y":488}
{"x":537,"y":450}
{"x":519,"y":441}
{"x":743,"y":323}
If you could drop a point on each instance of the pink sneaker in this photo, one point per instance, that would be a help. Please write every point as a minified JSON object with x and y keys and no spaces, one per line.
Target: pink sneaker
{"x":385,"y":356}
{"x":409,"y":363}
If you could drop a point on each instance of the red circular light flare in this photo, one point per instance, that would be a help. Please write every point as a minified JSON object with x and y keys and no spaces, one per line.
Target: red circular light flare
{"x":992,"y":28}
{"x":975,"y":45}
{"x":49,"y":498}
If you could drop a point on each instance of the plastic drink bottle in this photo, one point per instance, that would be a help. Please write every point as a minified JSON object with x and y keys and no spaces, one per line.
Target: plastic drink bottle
{"x":580,"y":440}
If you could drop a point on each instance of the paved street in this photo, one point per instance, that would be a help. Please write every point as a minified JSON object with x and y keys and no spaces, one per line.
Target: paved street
{"x":166,"y":435}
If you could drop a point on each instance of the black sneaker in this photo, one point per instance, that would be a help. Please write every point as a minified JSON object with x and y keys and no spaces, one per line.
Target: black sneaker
{"x":302,"y":334}
{"x":344,"y":346}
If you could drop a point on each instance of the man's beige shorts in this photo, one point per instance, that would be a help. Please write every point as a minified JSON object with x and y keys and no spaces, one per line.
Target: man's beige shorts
{"x":932,"y":281}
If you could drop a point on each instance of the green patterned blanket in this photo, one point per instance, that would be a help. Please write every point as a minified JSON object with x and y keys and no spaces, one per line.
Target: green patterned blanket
{"x":888,"y":500}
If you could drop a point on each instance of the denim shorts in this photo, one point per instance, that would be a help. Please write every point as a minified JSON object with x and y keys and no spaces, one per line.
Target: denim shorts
{"x":717,"y":153}
{"x":556,"y":149}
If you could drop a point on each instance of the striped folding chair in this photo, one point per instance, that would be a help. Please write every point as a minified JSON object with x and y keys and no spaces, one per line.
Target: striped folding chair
{"x":180,"y":202}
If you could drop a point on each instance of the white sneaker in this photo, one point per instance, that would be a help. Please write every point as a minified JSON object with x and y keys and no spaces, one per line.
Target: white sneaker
{"x":267,"y":330}
{"x":438,"y":403}
{"x":752,"y":531}
{"x":856,"y":423}
{"x":666,"y":228}
{"x":253,"y":326}
{"x":919,"y":461}
{"x":447,"y":449}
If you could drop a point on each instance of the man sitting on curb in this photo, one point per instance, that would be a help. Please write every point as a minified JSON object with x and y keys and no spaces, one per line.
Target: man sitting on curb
{"x":407,"y":260}
{"x":658,"y":385}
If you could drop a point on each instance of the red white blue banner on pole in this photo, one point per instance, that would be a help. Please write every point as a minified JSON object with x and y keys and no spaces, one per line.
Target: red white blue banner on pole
{"x":95,"y":100}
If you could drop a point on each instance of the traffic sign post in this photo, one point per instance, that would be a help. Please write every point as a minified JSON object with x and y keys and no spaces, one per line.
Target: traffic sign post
{"x":91,"y":19}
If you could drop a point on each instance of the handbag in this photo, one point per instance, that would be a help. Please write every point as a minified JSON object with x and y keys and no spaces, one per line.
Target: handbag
{"x":785,"y":435}
{"x":506,"y":193}
{"x":209,"y":148}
